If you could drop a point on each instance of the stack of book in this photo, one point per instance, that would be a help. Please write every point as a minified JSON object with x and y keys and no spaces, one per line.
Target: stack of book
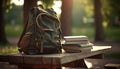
{"x":77,"y":44}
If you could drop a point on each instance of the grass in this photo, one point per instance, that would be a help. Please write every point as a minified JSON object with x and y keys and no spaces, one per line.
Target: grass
{"x":13,"y":31}
{"x":83,"y":30}
{"x":112,"y":54}
{"x":111,"y":33}
{"x":8,"y":49}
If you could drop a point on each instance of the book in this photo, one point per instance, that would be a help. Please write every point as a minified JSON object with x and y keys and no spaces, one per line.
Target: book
{"x":72,"y":48}
{"x":80,"y":45}
{"x":76,"y":42}
{"x":86,"y":45}
{"x":76,"y":39}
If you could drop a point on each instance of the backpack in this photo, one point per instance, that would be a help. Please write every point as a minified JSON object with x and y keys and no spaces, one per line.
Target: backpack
{"x":42,"y":33}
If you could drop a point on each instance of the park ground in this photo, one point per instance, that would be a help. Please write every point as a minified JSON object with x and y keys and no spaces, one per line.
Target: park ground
{"x":113,"y":56}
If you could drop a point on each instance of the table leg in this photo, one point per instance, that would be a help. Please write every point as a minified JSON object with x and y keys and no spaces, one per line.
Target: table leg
{"x":76,"y":64}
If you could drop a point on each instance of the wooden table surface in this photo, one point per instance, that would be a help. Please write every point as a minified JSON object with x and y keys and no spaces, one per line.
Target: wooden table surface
{"x":53,"y":58}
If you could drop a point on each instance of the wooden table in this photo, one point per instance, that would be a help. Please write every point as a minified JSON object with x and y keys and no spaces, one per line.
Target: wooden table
{"x":54,"y":61}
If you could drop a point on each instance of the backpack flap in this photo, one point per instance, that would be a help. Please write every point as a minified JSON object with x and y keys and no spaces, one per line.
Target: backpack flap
{"x":49,"y":26}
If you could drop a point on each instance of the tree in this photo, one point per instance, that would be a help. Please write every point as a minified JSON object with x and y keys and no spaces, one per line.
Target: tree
{"x":28,"y":4}
{"x":66,"y":17}
{"x":99,"y":32}
{"x":111,"y":12}
{"x":4,"y":4}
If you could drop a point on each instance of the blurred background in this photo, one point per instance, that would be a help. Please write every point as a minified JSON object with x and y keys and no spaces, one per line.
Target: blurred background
{"x":97,"y":19}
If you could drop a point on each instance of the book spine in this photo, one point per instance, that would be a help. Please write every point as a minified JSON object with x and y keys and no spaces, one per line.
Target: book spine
{"x":75,"y":39}
{"x":76,"y":42}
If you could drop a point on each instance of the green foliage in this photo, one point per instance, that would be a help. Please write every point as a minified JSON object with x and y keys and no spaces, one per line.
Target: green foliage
{"x":14,"y":16}
{"x":82,"y":11}
{"x":111,"y":11}
{"x":47,"y":3}
{"x":6,"y":5}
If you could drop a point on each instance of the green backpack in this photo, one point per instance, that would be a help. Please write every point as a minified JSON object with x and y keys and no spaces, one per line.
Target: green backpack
{"x":42,"y":33}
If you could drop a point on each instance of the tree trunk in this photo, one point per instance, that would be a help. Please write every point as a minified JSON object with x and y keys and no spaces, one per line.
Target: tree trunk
{"x":3,"y":39}
{"x":66,"y":17}
{"x":99,"y":32}
{"x":28,"y":4}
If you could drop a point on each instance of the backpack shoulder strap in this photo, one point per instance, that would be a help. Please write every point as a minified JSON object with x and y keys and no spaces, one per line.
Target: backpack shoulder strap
{"x":22,"y":33}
